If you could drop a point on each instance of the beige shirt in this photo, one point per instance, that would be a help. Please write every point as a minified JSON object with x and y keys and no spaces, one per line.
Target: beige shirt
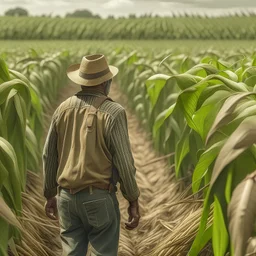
{"x":73,"y":159}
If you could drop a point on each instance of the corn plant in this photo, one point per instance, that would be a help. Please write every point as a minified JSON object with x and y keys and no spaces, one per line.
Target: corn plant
{"x":23,"y":98}
{"x":204,"y":110}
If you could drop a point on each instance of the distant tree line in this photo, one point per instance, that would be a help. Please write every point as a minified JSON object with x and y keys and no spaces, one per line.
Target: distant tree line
{"x":83,"y":14}
{"x":18,"y":11}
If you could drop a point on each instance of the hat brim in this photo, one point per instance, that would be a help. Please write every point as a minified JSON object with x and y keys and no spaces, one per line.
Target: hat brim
{"x":73,"y":75}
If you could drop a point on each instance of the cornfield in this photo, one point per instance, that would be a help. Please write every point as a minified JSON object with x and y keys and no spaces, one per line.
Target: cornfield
{"x":43,"y":28}
{"x":200,"y":113}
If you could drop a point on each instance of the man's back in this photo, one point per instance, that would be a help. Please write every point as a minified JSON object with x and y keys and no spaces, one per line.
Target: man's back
{"x":84,"y":154}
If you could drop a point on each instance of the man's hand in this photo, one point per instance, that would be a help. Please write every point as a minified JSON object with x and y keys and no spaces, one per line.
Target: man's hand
{"x":51,"y":208}
{"x":134,"y":215}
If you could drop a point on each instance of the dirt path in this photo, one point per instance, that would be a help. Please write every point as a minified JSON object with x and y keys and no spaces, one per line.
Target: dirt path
{"x":170,"y":217}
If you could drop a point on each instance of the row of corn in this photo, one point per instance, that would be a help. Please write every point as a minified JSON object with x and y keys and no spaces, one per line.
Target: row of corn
{"x":25,"y":97}
{"x":233,"y":27}
{"x":203,"y":108}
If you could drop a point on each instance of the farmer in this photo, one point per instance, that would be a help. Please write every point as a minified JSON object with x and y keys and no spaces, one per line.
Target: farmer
{"x":87,"y":151}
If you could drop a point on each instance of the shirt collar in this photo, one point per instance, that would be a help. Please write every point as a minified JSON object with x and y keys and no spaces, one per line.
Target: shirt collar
{"x":90,"y":93}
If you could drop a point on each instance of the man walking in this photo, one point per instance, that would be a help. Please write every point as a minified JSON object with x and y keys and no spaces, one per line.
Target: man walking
{"x":87,"y":151}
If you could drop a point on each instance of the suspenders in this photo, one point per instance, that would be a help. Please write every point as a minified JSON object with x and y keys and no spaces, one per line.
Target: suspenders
{"x":93,"y":109}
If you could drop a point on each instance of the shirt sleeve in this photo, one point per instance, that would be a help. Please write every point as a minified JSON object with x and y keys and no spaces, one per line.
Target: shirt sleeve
{"x":50,"y":162}
{"x":122,"y":157}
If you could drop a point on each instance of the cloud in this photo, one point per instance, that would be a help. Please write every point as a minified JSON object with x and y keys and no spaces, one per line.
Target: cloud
{"x":15,"y":2}
{"x":115,"y":4}
{"x":225,"y":4}
{"x":206,"y":3}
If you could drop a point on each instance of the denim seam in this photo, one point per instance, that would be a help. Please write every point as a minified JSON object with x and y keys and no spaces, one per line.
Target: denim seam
{"x":68,"y":214}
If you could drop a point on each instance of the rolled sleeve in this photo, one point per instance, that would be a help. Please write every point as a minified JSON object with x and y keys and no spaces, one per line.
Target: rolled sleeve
{"x":123,"y":159}
{"x":50,"y":162}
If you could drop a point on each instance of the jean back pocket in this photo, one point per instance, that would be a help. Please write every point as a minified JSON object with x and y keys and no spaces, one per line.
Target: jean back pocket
{"x":97,"y":212}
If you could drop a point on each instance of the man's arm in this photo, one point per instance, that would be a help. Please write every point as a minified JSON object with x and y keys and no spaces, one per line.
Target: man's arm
{"x":50,"y":167}
{"x":50,"y":162}
{"x":123,"y":159}
{"x":124,"y":162}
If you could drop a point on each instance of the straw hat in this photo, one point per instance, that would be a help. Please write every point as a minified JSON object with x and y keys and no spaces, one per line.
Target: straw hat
{"x":92,"y":71}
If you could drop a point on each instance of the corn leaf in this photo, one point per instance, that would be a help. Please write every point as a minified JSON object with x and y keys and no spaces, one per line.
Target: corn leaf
{"x":12,"y":184}
{"x":185,"y":80}
{"x":220,"y":235}
{"x":197,"y":243}
{"x":4,"y":72}
{"x":229,"y":183}
{"x":7,"y":215}
{"x":206,"y":159}
{"x":225,"y":114}
{"x":241,"y":214}
{"x":243,"y":137}
{"x":182,"y":149}
{"x":188,"y":100}
{"x":17,"y":84}
{"x":162,"y":117}
{"x":155,"y":84}
{"x":204,"y":117}
{"x":208,"y":68}
{"x":236,"y":87}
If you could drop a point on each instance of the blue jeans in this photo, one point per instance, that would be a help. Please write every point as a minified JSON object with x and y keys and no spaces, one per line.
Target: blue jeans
{"x":89,"y":216}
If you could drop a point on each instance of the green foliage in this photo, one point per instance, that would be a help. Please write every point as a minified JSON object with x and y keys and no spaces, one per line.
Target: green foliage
{"x":16,"y":12}
{"x":91,"y":27}
{"x":82,"y":14}
{"x":203,"y":108}
{"x":23,"y":100}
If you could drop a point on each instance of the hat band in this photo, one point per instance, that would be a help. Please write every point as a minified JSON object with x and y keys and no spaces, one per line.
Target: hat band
{"x":94,"y":75}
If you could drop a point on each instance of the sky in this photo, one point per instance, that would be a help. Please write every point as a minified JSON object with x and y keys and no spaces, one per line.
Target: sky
{"x":125,"y":7}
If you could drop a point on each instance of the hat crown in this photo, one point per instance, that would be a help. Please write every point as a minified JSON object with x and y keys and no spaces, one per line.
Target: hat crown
{"x":91,"y":71}
{"x":92,"y":64}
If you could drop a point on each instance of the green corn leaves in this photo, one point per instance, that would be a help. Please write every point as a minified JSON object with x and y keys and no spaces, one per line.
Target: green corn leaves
{"x":182,"y":149}
{"x":225,"y":114}
{"x":21,"y":128}
{"x":12,"y":185}
{"x":4,"y":72}
{"x":180,"y":27}
{"x":204,"y":164}
{"x":205,"y":112}
{"x":220,"y":237}
{"x":243,"y":137}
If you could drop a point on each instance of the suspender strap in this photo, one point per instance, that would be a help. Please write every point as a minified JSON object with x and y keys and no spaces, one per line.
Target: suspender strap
{"x":94,"y":109}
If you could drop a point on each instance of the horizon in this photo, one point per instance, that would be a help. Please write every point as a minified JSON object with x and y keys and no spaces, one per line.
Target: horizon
{"x":124,"y":8}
